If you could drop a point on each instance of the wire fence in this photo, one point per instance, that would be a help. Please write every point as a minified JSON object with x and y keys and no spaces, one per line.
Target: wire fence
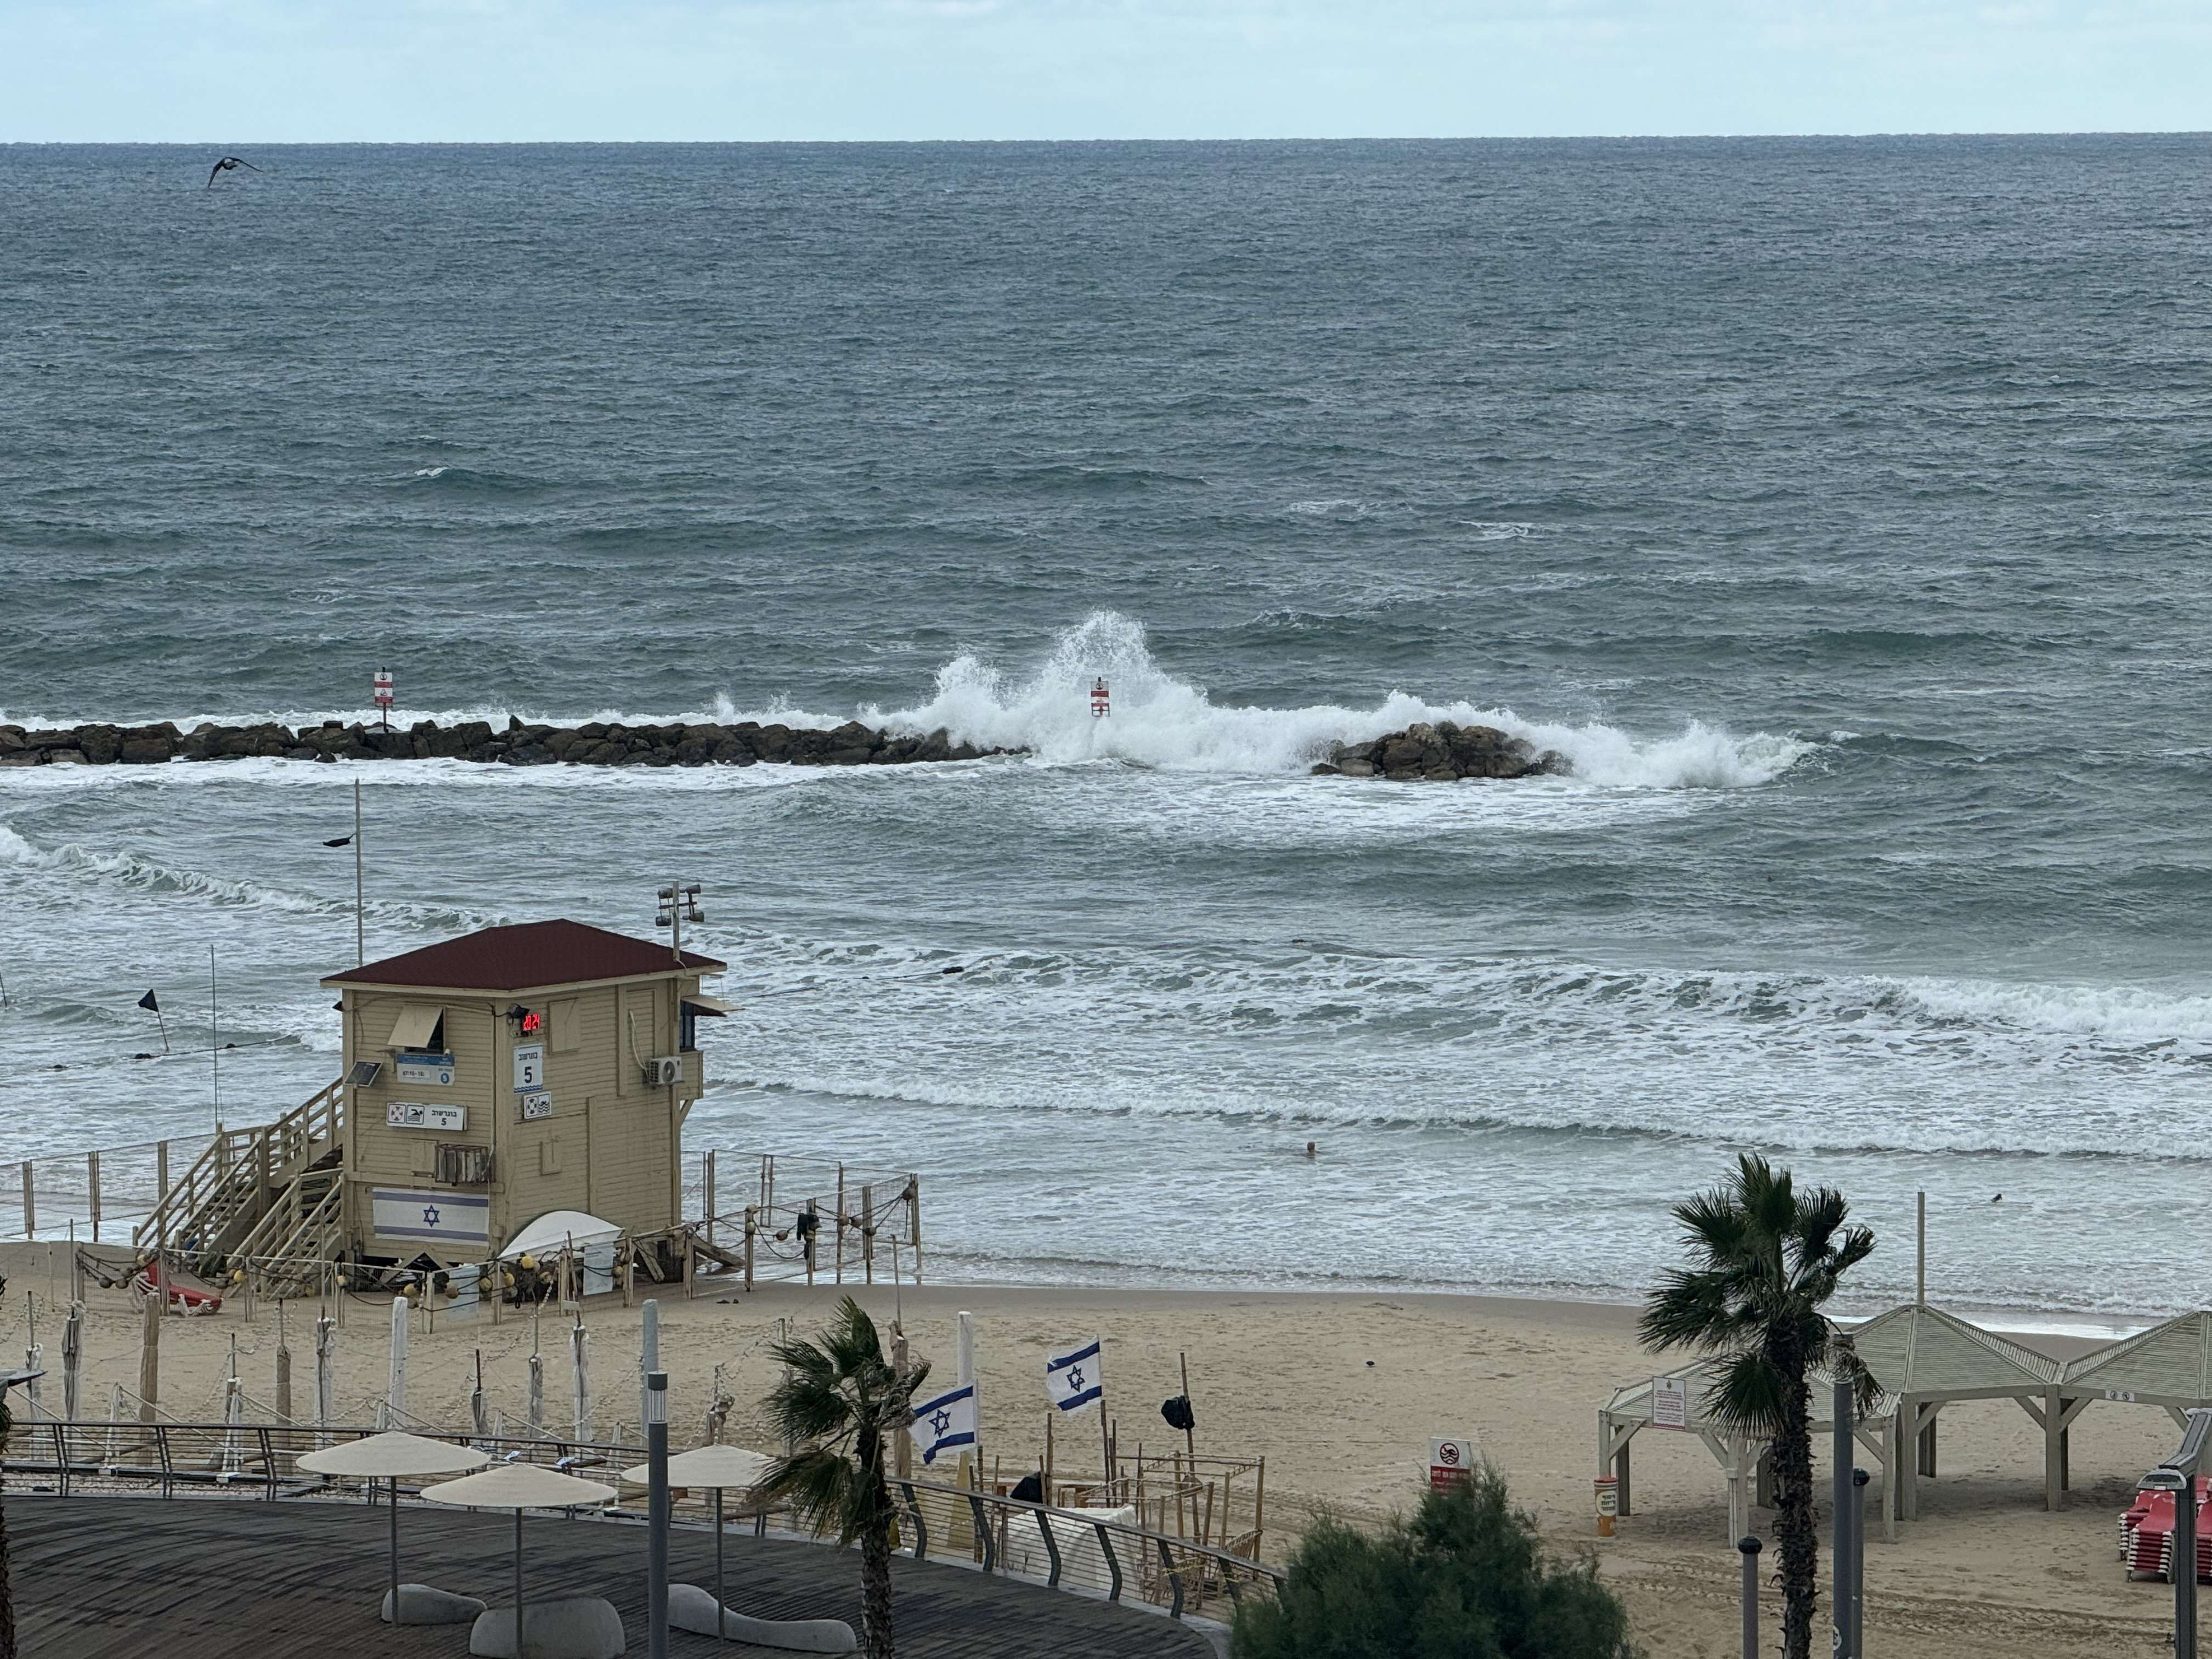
{"x":1103,"y":1551}
{"x":98,"y":1195}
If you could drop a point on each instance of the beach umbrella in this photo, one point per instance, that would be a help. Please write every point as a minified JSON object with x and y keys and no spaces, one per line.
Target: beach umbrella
{"x":719,"y":1468}
{"x":387,"y":1457}
{"x":519,"y":1486}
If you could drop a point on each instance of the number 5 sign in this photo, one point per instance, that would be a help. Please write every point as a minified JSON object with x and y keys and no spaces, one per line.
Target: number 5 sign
{"x":529,"y":1067}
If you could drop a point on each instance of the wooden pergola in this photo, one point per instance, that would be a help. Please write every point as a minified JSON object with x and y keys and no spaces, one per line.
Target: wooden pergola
{"x":1926,"y":1359}
{"x":1742,"y":1459}
{"x":2168,"y":1365}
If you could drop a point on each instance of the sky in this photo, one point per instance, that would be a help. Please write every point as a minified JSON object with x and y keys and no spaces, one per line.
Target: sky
{"x":240,"y":71}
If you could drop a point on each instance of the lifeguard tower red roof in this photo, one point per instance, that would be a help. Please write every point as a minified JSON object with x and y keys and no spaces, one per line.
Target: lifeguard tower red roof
{"x":525,"y":956}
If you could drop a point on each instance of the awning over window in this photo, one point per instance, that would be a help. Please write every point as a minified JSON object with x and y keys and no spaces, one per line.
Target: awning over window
{"x":713,"y":1006}
{"x":417,"y":1024}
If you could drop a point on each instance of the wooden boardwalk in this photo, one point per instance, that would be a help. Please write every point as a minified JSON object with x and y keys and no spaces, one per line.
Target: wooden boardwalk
{"x":225,"y":1578}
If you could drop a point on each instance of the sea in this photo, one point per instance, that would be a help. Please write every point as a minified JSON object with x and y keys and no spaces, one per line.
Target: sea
{"x":1839,"y":508}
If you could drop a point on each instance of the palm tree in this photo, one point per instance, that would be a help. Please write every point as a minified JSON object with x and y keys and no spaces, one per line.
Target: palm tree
{"x":1766,"y":1258}
{"x":840,"y":1397}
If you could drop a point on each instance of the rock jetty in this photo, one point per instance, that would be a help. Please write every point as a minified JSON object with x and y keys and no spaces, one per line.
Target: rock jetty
{"x":1441,"y":753}
{"x":743,"y":743}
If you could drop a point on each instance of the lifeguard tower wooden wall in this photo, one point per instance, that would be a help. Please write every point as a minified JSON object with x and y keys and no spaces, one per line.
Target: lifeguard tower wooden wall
{"x":512,"y":1071}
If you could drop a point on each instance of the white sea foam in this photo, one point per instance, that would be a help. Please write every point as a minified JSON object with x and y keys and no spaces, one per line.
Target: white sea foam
{"x":1159,"y":721}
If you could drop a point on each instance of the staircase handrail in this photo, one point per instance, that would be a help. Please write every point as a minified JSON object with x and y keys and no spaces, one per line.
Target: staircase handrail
{"x":291,"y":1140}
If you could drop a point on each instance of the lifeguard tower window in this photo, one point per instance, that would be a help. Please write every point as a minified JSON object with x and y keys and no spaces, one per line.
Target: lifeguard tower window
{"x":419,"y":1029}
{"x":687,"y":1041}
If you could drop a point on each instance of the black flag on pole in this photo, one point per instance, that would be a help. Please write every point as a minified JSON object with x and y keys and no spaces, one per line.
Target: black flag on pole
{"x":150,"y":1003}
{"x":342,"y":841}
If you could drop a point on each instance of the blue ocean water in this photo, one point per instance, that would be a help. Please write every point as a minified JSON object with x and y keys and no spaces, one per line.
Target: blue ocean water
{"x":1837,"y":507}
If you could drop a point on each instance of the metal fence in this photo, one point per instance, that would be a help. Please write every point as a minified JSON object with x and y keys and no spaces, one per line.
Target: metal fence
{"x":1102,"y":1551}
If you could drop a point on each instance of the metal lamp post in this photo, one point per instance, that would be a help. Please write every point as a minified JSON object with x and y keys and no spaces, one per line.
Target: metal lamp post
{"x":656,"y":1449}
{"x":2178,"y":1477}
{"x":1750,"y":1548}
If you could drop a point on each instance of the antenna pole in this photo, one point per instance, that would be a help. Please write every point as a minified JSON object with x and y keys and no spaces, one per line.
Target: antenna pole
{"x":360,"y":907}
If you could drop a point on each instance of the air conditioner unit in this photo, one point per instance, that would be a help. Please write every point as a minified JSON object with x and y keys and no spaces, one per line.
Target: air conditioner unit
{"x":664,"y":1071}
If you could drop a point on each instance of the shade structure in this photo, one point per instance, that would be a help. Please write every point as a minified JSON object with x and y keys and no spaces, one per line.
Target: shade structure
{"x":713,"y":1467}
{"x":716,"y":1467}
{"x":519,"y":1486}
{"x":1926,"y":1358}
{"x":387,"y":1457}
{"x":1629,"y":1413}
{"x":380,"y":1456}
{"x":2168,"y":1364}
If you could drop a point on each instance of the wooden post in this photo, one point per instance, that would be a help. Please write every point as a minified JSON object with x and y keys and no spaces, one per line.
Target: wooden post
{"x":1920,"y":1253}
{"x":813,"y":1230}
{"x":150,"y":1356}
{"x":707,"y":1193}
{"x":748,"y":1245}
{"x":628,"y":1268}
{"x":841,"y":1224}
{"x":30,"y":1204}
{"x":913,"y":1218}
{"x":92,"y":1186}
{"x":160,"y":1170}
{"x":690,"y":1265}
{"x":901,"y":1437}
{"x":868,"y":1235}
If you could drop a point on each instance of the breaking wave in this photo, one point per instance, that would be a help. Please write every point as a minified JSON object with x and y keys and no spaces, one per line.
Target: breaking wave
{"x":1160,"y":721}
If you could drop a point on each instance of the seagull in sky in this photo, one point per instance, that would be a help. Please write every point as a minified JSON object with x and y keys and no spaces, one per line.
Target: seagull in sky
{"x":226,"y":165}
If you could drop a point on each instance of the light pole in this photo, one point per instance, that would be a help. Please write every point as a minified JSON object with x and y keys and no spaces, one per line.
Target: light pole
{"x":1750,"y":1548}
{"x":679,"y":903}
{"x":657,"y":1502}
{"x":2177,"y":1477}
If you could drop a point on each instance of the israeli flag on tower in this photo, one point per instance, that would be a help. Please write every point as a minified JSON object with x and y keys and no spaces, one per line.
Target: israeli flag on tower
{"x":1076,"y":1379}
{"x":947,"y":1423}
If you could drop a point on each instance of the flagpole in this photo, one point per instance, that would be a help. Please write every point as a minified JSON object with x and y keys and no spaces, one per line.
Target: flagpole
{"x":360,"y":954}
{"x":215,"y":1042}
{"x":163,"y":1024}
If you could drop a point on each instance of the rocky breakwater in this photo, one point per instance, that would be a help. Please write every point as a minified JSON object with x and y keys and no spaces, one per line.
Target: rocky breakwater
{"x":1441,"y":753}
{"x":745,"y":743}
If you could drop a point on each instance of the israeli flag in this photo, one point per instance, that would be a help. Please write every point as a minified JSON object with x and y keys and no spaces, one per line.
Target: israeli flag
{"x":1076,"y":1379}
{"x":947,"y":1423}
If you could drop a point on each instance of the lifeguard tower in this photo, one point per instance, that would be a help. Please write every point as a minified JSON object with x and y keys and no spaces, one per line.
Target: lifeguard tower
{"x":547,"y":1066}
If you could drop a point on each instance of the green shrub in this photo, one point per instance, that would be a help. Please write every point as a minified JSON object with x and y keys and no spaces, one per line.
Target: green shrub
{"x":1464,"y":1578}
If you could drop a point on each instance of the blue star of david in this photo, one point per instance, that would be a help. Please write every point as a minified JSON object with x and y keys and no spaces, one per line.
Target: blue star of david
{"x":939,"y":1422}
{"x":1075,"y":1380}
{"x":429,"y":1215}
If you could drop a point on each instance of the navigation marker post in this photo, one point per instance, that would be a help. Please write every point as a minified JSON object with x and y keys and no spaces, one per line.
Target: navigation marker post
{"x":382,"y":691}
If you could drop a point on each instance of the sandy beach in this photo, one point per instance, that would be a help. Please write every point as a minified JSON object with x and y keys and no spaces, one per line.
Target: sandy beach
{"x":1341,"y":1392}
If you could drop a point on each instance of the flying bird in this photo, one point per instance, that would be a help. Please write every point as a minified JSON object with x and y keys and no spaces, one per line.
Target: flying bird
{"x":225,"y":165}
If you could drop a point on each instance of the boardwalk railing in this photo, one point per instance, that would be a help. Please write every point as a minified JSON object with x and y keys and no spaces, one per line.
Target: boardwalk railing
{"x":1093,"y":1551}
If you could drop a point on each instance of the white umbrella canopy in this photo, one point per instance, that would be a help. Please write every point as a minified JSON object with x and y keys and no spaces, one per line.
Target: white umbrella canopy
{"x":711,"y":1467}
{"x":519,"y":1486}
{"x":387,"y":1457}
{"x":381,"y":1456}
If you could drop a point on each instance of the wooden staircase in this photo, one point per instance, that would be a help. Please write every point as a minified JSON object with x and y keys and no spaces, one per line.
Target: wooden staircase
{"x":273,"y":1191}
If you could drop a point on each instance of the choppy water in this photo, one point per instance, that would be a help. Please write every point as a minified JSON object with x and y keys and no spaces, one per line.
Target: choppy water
{"x":1838,"y":508}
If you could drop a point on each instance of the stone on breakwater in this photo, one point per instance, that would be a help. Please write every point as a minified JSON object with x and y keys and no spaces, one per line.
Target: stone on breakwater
{"x":700,"y":743}
{"x":1441,"y":753}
